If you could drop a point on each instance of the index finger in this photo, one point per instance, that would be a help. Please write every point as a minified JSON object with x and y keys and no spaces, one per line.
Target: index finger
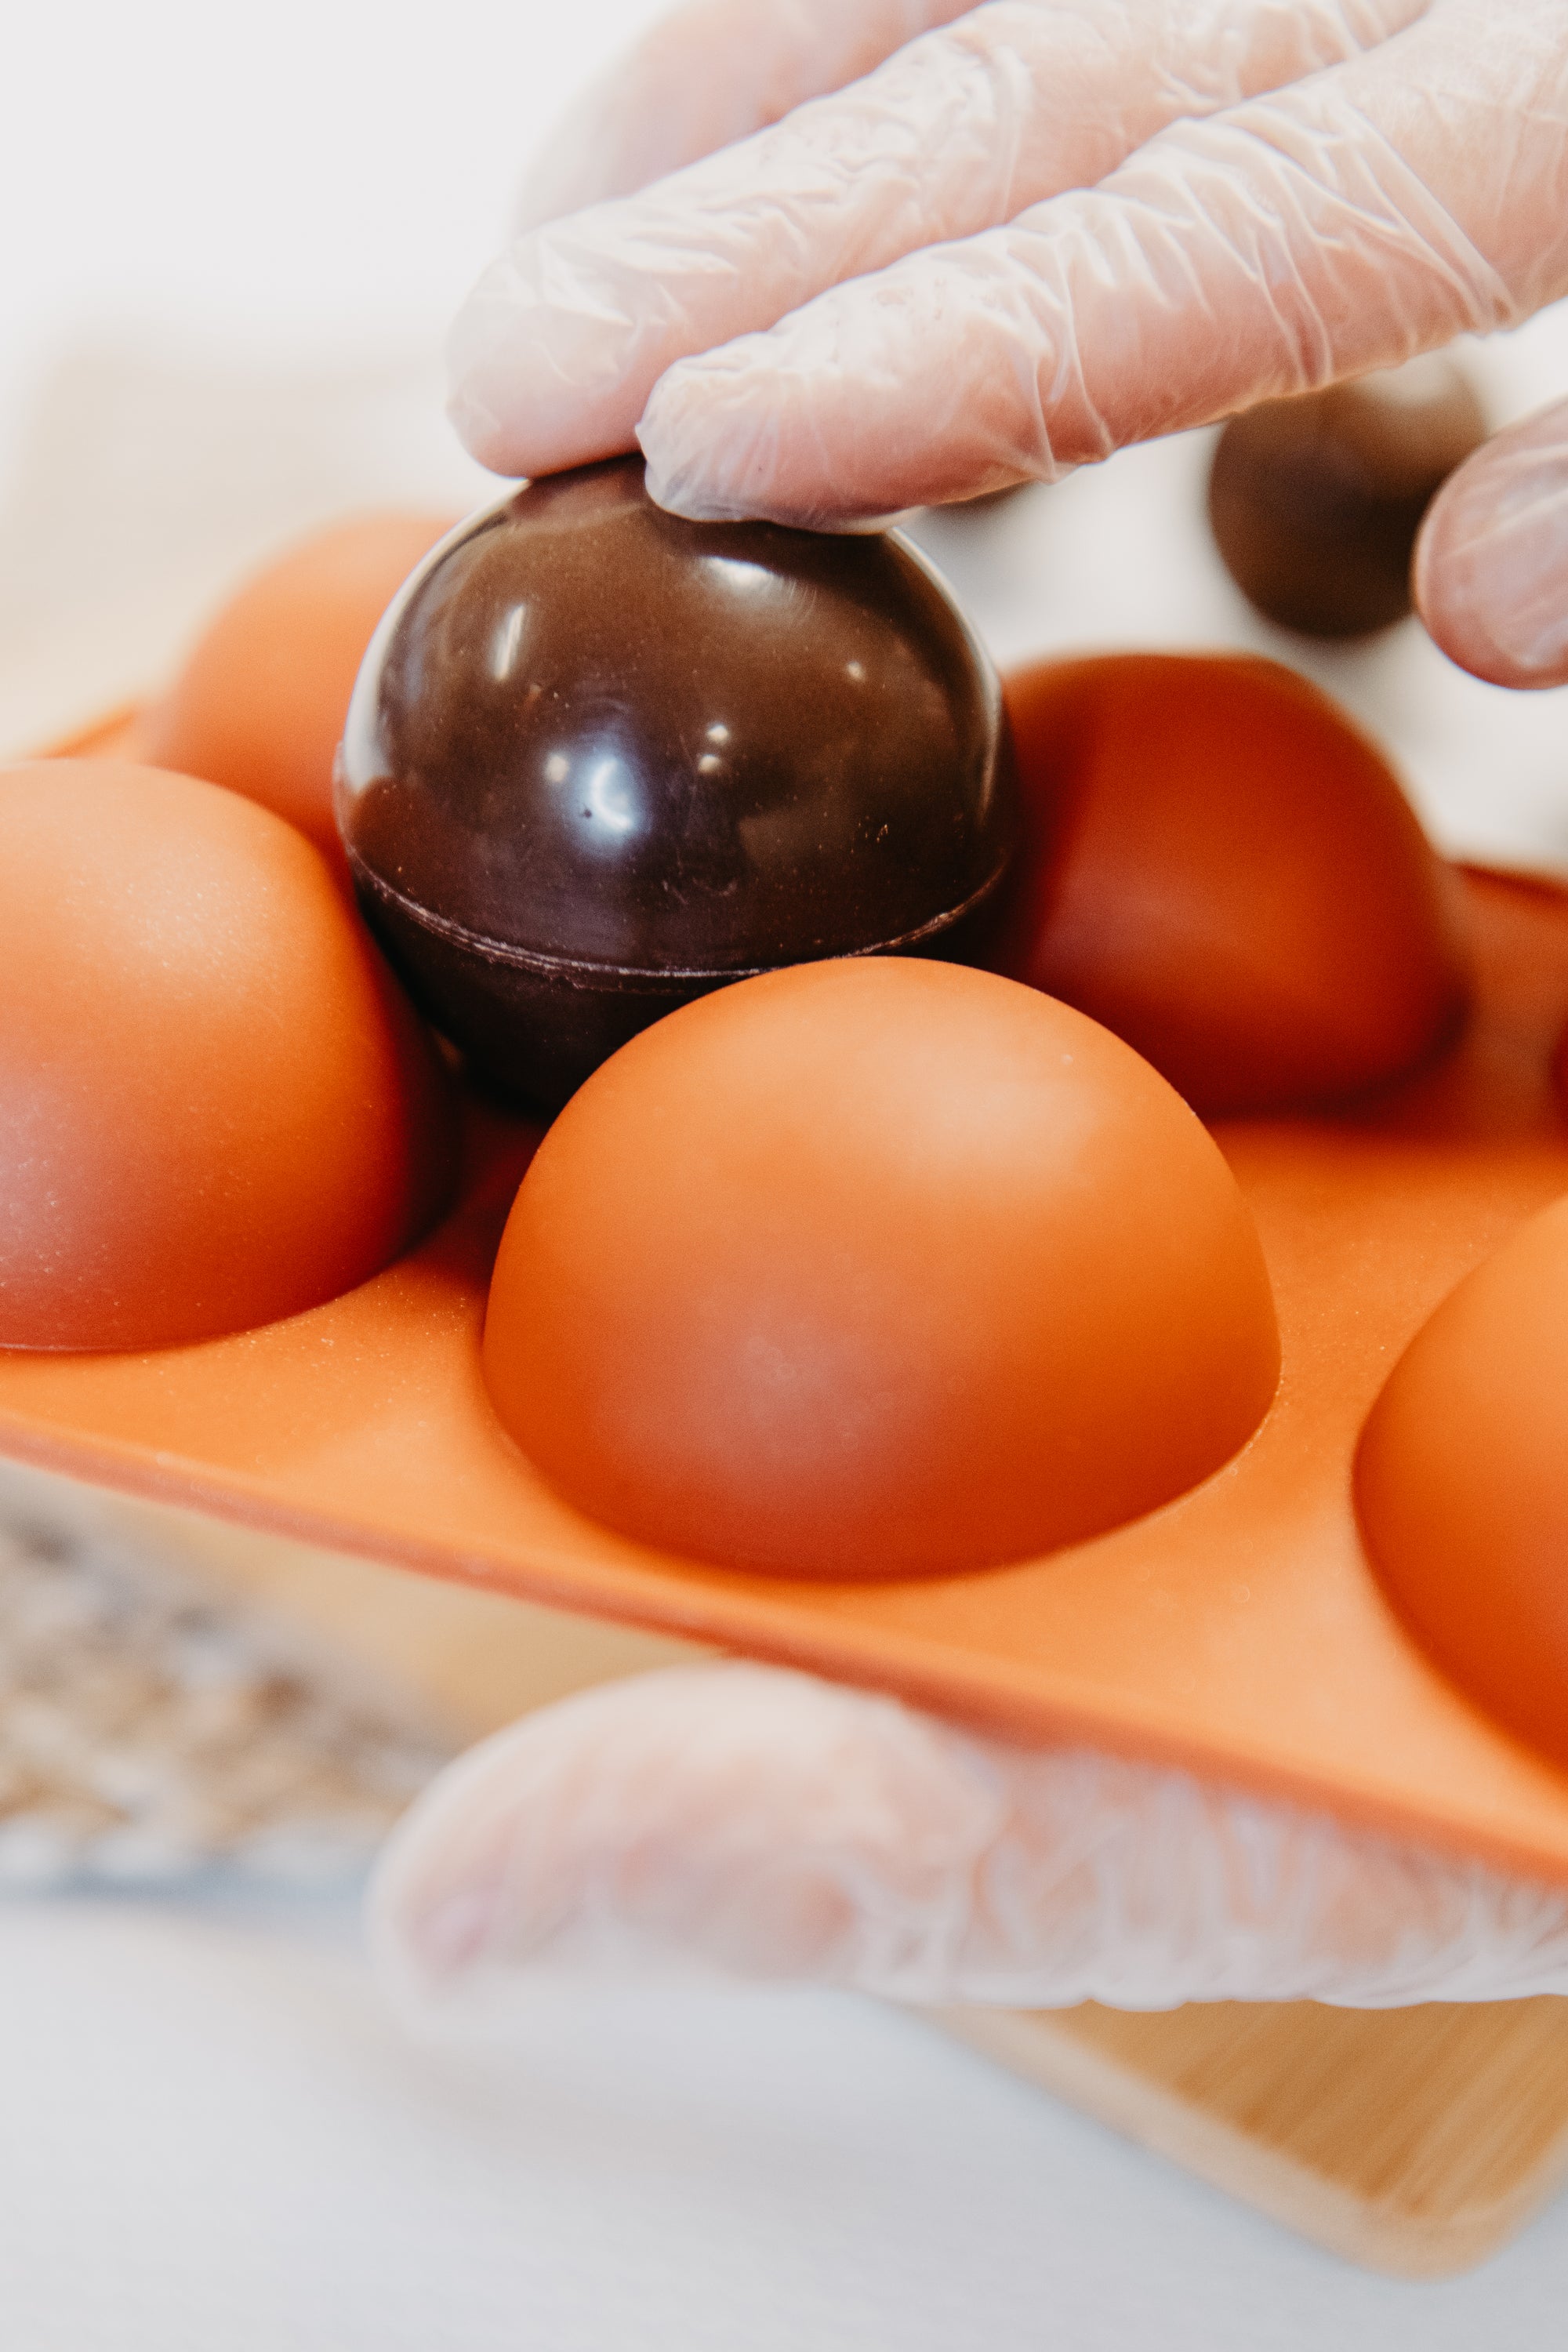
{"x":565,"y":337}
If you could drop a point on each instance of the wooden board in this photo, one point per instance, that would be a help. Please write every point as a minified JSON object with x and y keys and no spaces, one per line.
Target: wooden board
{"x":1416,"y":2141}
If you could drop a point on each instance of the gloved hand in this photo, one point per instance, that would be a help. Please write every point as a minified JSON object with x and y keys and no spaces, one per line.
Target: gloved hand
{"x":751,"y":1822}
{"x":1013,"y":238}
{"x":1043,"y":230}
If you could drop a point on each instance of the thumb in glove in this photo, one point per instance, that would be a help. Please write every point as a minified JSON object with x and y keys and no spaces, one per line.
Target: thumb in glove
{"x":1492,"y":564}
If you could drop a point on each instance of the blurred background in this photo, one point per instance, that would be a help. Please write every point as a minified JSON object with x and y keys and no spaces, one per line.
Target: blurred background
{"x":233,"y":240}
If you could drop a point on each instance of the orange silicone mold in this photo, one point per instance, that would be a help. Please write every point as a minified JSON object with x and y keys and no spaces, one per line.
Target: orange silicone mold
{"x":1238,"y":1630}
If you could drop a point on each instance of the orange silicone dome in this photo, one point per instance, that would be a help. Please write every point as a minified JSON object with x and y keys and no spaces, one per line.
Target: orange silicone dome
{"x":260,"y":703}
{"x":1462,"y":1482}
{"x":215,"y":1108}
{"x":1226,"y":872}
{"x":877,"y":1268}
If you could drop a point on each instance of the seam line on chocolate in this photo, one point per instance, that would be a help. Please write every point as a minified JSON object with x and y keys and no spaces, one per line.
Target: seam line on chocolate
{"x":584,"y":971}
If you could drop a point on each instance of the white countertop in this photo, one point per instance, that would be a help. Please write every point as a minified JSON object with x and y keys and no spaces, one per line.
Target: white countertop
{"x":216,"y":2141}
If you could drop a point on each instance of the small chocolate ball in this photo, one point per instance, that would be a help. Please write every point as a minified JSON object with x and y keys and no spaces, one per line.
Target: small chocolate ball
{"x":1315,"y":502}
{"x":600,"y":761}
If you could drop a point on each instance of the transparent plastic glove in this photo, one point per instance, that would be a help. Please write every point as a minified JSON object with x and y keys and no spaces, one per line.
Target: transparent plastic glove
{"x":1046,"y":228}
{"x":743,"y":1821}
{"x":1492,"y":564}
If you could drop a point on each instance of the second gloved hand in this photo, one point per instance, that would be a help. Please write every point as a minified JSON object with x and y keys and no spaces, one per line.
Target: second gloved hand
{"x":754,"y":1823}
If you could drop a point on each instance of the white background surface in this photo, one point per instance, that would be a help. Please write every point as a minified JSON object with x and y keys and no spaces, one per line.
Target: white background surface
{"x":230,"y":243}
{"x":216,"y":2142}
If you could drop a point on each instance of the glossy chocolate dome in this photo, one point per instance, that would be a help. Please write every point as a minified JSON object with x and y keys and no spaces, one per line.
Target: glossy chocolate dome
{"x":600,"y":760}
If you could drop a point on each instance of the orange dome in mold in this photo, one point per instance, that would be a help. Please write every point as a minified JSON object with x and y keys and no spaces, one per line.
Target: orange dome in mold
{"x":877,"y":1268}
{"x":1226,"y":872}
{"x":1461,"y":1482}
{"x":215,"y":1108}
{"x":260,"y":703}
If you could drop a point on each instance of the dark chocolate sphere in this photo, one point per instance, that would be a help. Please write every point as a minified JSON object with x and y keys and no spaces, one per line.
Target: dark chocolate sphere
{"x":600,"y":761}
{"x":1315,"y":502}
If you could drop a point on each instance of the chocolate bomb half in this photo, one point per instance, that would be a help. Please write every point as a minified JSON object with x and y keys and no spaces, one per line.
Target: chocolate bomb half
{"x":600,"y":761}
{"x":1315,"y":502}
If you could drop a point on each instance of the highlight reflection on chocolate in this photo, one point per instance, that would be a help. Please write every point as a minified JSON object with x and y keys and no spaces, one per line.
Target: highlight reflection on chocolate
{"x":600,"y":761}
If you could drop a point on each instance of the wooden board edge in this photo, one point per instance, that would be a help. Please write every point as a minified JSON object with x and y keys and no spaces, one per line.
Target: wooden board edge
{"x":1376,"y":2234}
